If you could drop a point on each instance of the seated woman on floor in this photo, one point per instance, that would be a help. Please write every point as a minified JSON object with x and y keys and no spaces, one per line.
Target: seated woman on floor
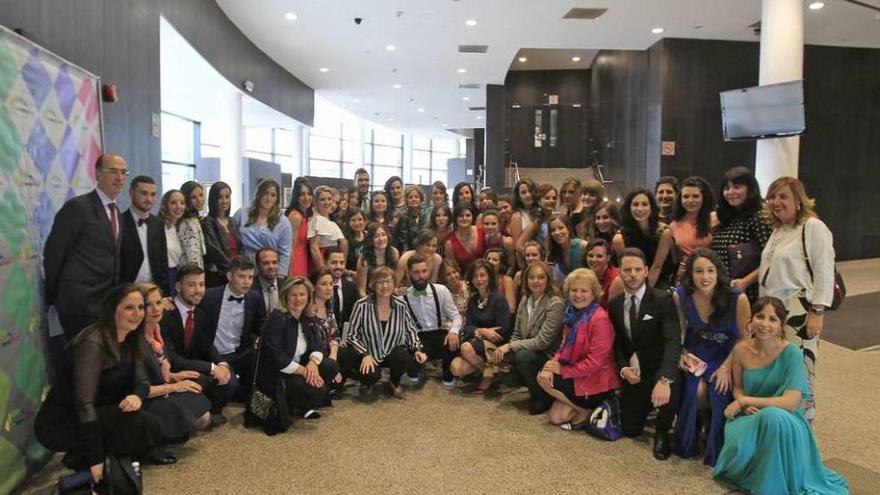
{"x":488,"y":326}
{"x":582,"y":374}
{"x":94,"y":408}
{"x":291,"y":366}
{"x":383,"y":335}
{"x":768,"y":444}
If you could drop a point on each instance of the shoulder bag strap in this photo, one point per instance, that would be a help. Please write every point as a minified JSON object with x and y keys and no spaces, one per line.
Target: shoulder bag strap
{"x":804,"y":244}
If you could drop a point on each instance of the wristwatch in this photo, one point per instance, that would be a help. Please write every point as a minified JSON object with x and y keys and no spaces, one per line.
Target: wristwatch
{"x":665,"y":381}
{"x":817,"y":310}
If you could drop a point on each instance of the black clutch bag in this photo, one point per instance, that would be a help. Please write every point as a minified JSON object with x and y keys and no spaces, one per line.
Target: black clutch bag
{"x":744,"y":258}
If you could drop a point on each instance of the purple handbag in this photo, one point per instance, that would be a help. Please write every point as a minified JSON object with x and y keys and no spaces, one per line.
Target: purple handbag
{"x":744,"y":258}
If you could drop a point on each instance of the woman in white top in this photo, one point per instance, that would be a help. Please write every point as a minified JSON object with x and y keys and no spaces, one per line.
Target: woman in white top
{"x":525,"y":203}
{"x":797,"y":266}
{"x":171,"y":211}
{"x":323,"y":232}
{"x":189,"y":230}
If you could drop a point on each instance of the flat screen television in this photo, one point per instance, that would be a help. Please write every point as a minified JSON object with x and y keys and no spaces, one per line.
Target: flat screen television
{"x":774,"y":110}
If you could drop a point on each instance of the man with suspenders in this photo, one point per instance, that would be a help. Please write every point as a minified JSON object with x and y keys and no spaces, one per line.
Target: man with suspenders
{"x":431,"y":306}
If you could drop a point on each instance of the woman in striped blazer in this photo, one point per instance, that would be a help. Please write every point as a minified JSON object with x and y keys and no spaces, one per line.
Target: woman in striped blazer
{"x":383,"y":334}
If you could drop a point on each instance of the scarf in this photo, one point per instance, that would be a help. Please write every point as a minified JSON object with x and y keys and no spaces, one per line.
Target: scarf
{"x":571,"y":318}
{"x":154,"y":338}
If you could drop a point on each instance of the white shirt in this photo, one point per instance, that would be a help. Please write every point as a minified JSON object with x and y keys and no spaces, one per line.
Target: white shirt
{"x":328,"y":231}
{"x":627,"y":302}
{"x":172,"y":246}
{"x":426,"y":312}
{"x":301,"y":346}
{"x":183,"y":309}
{"x":230,"y":325}
{"x":144,"y":273}
{"x":783,"y":272}
{"x":106,"y":201}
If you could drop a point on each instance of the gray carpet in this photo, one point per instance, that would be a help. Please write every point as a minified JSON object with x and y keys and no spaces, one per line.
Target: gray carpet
{"x":855,"y":324}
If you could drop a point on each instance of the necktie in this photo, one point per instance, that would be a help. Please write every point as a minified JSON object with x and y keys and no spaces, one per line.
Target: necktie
{"x":633,"y":315}
{"x":420,"y":293}
{"x":236,"y":299}
{"x":141,"y":221}
{"x":337,"y":298}
{"x":273,"y":296}
{"x":188,"y":329}
{"x":114,"y":223}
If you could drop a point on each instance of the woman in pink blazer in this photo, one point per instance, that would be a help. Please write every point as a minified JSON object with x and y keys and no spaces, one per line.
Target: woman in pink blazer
{"x":582,"y":374}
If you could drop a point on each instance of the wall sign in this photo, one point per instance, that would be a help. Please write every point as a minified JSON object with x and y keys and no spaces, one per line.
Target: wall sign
{"x":668,"y":148}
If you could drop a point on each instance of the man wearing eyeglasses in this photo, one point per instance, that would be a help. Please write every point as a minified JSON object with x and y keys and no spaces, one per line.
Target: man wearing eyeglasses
{"x":81,"y":254}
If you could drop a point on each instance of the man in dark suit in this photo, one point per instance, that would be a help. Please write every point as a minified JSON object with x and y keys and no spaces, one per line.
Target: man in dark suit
{"x":345,"y":292}
{"x":143,"y":257}
{"x":268,"y":283}
{"x":647,"y":347}
{"x":81,"y":254}
{"x":189,"y":341}
{"x":235,"y":317}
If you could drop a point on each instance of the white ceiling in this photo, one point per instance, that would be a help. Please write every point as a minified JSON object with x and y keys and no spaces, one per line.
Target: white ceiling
{"x":427,"y":33}
{"x":553,"y":59}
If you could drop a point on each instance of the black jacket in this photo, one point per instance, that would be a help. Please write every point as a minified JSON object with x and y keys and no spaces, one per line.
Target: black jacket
{"x":131,"y":255}
{"x":656,"y":337}
{"x":257,"y":288}
{"x":200,"y":354}
{"x":278,"y":344}
{"x":349,"y":297}
{"x":217,"y":257}
{"x":254,"y":314}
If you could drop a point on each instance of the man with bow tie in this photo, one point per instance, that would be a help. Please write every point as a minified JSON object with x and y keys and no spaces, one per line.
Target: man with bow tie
{"x":235,"y":317}
{"x":436,"y":316}
{"x":647,"y":346}
{"x":143,"y":255}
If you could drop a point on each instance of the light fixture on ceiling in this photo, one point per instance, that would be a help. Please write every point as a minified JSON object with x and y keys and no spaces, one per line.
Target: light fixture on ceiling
{"x":290,"y":16}
{"x":445,"y":125}
{"x":324,"y":69}
{"x":470,"y":23}
{"x":390,"y":119}
{"x":461,"y":70}
{"x":657,"y":30}
{"x":390,"y":48}
{"x":575,"y":59}
{"x":523,"y":60}
{"x":816,"y":5}
{"x":479,"y":117}
{"x":355,"y":100}
{"x":465,"y":98}
{"x":420,"y":110}
{"x":397,"y":86}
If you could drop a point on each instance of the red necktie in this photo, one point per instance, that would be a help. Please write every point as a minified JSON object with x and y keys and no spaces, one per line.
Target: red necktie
{"x":188,"y":329}
{"x":114,"y":223}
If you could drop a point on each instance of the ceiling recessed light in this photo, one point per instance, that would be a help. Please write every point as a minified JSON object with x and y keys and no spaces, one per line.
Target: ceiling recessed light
{"x":355,"y":100}
{"x":445,"y":125}
{"x":390,"y":48}
{"x":523,"y":59}
{"x":324,"y":69}
{"x":479,"y":117}
{"x":461,"y":70}
{"x":575,"y":59}
{"x":470,"y":23}
{"x":465,"y":98}
{"x":657,"y":30}
{"x":816,"y":5}
{"x":290,"y":16}
{"x":420,"y":110}
{"x":390,"y":119}
{"x":397,"y":86}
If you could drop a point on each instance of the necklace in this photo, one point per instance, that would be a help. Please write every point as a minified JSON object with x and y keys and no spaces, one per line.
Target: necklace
{"x":481,"y":303}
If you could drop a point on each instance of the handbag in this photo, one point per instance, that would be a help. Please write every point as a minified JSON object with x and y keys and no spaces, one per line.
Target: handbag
{"x":839,"y":291}
{"x":692,"y":364}
{"x":744,"y":258}
{"x":120,"y":477}
{"x":260,"y":405}
{"x":604,"y":421}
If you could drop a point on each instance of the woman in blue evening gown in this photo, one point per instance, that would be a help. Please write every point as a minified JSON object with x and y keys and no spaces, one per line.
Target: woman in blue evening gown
{"x":769,"y":447}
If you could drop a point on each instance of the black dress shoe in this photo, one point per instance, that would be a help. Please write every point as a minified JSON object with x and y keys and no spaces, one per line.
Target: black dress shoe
{"x":539,"y":407}
{"x":662,"y":447}
{"x":162,"y":459}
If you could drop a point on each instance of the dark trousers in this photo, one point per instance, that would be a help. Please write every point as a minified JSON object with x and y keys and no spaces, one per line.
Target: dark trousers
{"x":635,"y":404}
{"x":72,"y":323}
{"x":300,"y":395}
{"x":218,"y":394}
{"x":527,"y":364}
{"x":243,"y":366}
{"x":399,"y":361}
{"x":432,"y":343}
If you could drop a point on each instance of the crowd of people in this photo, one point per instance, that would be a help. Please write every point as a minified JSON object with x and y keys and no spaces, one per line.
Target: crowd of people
{"x":705,"y":309}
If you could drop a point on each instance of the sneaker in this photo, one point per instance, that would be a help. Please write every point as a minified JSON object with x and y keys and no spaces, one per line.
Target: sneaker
{"x":451,"y":384}
{"x":412,"y":381}
{"x":311,"y":414}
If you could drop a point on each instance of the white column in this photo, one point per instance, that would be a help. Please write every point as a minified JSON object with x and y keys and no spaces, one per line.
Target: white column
{"x":233,"y":149}
{"x":782,"y":59}
{"x":298,"y":152}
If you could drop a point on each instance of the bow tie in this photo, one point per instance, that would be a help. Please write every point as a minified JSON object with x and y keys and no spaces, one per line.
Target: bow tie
{"x":236,"y":299}
{"x":420,"y":293}
{"x":141,"y":221}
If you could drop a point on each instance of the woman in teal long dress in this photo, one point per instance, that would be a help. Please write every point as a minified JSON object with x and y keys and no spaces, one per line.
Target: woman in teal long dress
{"x":769,"y":448}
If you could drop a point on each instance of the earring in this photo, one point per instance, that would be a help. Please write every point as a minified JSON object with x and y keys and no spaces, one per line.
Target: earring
{"x":799,"y":207}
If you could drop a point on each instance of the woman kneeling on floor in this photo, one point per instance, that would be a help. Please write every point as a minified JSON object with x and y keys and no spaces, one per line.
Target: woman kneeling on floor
{"x":582,"y":374}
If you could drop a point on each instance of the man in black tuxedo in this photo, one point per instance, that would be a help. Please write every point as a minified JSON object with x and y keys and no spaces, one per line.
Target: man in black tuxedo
{"x":81,"y":254}
{"x":189,"y":341}
{"x":647,"y":347}
{"x":235,"y":317}
{"x":268,"y":283}
{"x":345,"y":292}
{"x":143,"y":257}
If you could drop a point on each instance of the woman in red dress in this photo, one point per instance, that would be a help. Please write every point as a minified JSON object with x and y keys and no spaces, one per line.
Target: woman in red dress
{"x":466,"y":243}
{"x":298,"y":212}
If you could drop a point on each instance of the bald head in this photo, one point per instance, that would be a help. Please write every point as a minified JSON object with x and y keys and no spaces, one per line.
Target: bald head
{"x":111,"y":172}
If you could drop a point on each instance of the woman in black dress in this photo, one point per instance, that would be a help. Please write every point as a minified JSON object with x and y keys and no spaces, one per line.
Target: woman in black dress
{"x":95,"y":407}
{"x":640,"y":227}
{"x":221,"y":237}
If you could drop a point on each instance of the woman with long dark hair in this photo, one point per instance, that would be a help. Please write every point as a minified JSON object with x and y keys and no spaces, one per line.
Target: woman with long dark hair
{"x":262,"y":225}
{"x":466,"y":243}
{"x":394,"y":192}
{"x":189,"y":230}
{"x":564,"y":250}
{"x":641,"y":228}
{"x":441,"y":223}
{"x":439,"y":197}
{"x":408,"y":220}
{"x":598,"y":258}
{"x":354,"y":228}
{"x":606,"y":223}
{"x":694,"y":219}
{"x":464,"y":193}
{"x":95,"y":407}
{"x":525,"y":208}
{"x":298,"y":213}
{"x":592,"y":195}
{"x":221,"y":238}
{"x":743,"y":229}
{"x":714,"y":317}
{"x":377,"y":252}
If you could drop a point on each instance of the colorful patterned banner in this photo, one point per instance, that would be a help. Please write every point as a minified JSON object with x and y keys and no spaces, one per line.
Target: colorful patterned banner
{"x":50,"y":135}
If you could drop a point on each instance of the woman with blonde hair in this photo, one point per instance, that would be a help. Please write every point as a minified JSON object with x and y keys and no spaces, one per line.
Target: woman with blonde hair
{"x":262,"y":225}
{"x":797,"y":266}
{"x":171,"y":211}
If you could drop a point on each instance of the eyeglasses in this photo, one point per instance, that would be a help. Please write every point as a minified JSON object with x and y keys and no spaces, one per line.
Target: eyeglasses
{"x":384,"y":282}
{"x":116,"y":171}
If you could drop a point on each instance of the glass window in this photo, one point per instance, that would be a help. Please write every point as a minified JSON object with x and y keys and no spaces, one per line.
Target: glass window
{"x":440,"y":175}
{"x":178,"y":139}
{"x":443,"y":146}
{"x":350,"y":152}
{"x":438,"y":161}
{"x":210,"y":151}
{"x":421,"y":176}
{"x":258,"y":139}
{"x":386,"y":155}
{"x":382,"y":174}
{"x":324,"y":148}
{"x":387,"y":137}
{"x":211,"y":133}
{"x":284,"y":142}
{"x":323,"y":168}
{"x":175,"y":174}
{"x":419,"y":143}
{"x":348,"y":170}
{"x":421,"y":159}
